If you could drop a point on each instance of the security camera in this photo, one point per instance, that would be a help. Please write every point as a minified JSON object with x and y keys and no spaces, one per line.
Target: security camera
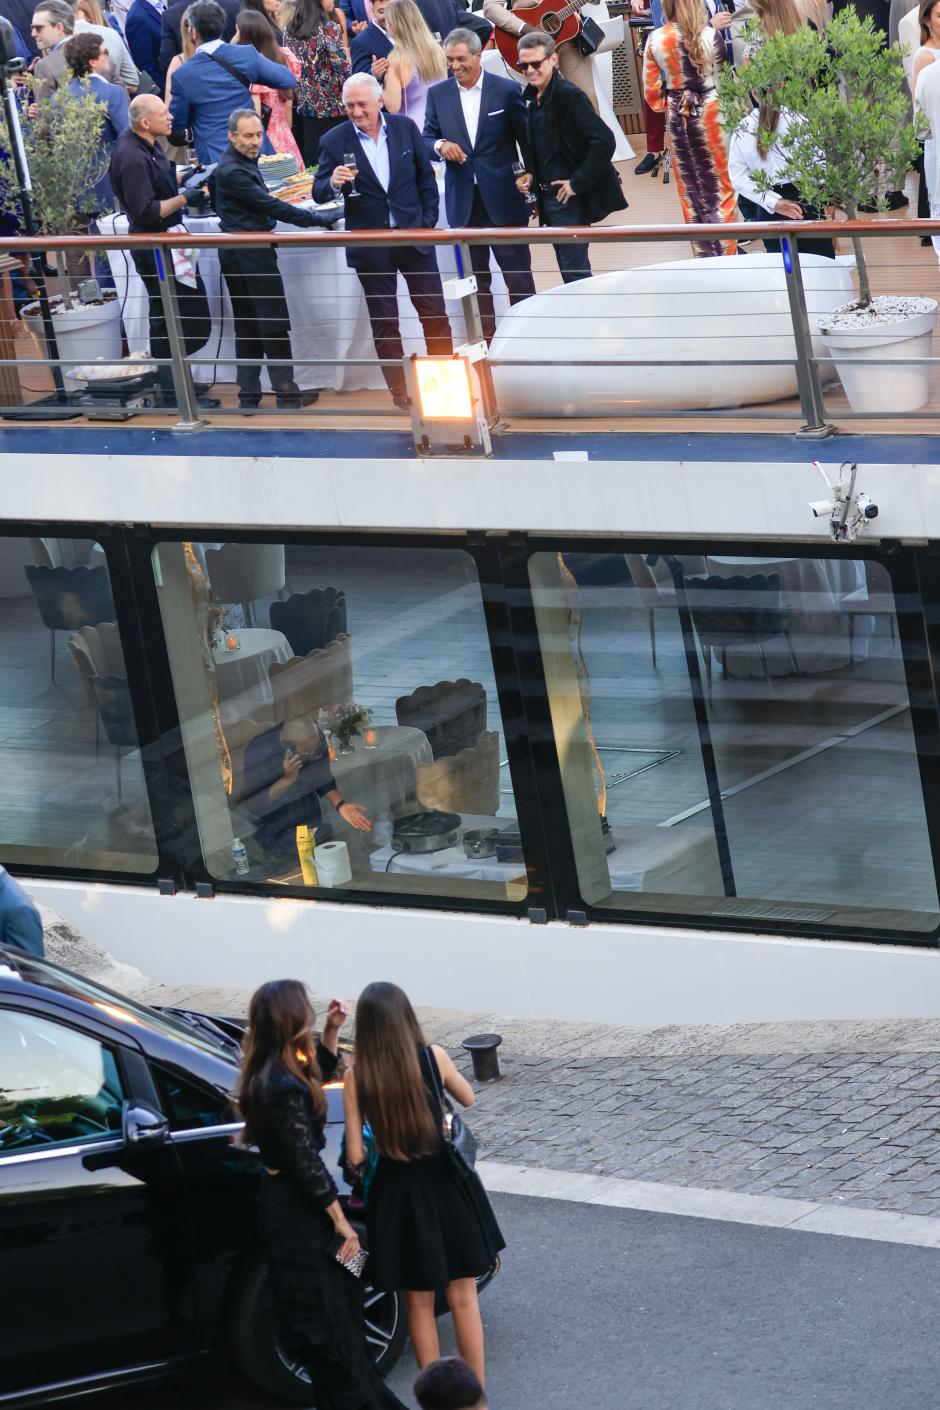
{"x":866,"y":507}
{"x":822,"y":508}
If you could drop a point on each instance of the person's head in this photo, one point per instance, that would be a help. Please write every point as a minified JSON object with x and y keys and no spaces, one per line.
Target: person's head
{"x":85,"y":53}
{"x":150,"y":117}
{"x":449,"y":1384}
{"x":462,"y":49}
{"x":260,"y":8}
{"x":777,"y":16}
{"x":252,"y":28}
{"x":246,"y":135}
{"x":280,"y":1033}
{"x":690,"y":18}
{"x":362,"y":99}
{"x":413,"y":40}
{"x":929,"y":21}
{"x":52,"y":22}
{"x":537,"y":59}
{"x":300,"y":732}
{"x":90,"y":11}
{"x":206,"y":21}
{"x":308,"y":17}
{"x":378,"y":12}
{"x":392,"y":1096}
{"x":187,"y":42}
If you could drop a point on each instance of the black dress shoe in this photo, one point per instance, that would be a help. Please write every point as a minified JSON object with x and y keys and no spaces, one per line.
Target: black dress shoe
{"x":207,"y":402}
{"x":249,"y":403}
{"x":295,"y":400}
{"x":896,"y":200}
{"x":402,"y":401}
{"x":926,"y":240}
{"x":647,"y":164}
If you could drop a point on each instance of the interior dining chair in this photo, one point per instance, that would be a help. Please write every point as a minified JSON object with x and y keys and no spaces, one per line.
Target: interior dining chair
{"x":113,"y":698}
{"x":97,"y":651}
{"x":451,"y":713}
{"x":740,"y":611}
{"x":244,"y":572}
{"x":310,"y":620}
{"x":305,"y":685}
{"x":69,"y":598}
{"x":465,"y":782}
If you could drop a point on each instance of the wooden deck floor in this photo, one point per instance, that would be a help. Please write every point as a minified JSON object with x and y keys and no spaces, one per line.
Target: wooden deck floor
{"x":898,"y":264}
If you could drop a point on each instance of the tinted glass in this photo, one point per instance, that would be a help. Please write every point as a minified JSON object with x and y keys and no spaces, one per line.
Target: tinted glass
{"x":73,"y":785}
{"x":189,"y":1105}
{"x":760,"y":763}
{"x":56,"y":1085}
{"x":312,"y":677}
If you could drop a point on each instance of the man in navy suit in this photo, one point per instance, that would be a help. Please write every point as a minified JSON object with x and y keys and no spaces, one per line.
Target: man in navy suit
{"x":473,"y":122}
{"x":171,"y":33}
{"x":392,"y":186}
{"x":371,"y":47}
{"x":443,"y":16}
{"x":142,"y":30}
{"x":20,"y":923}
{"x":205,"y":92}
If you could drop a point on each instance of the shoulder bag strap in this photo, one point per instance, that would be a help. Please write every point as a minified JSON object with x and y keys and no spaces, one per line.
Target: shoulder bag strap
{"x":230,"y":68}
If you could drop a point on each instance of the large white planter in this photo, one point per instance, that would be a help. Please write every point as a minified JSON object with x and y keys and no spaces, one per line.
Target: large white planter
{"x":865,"y":353}
{"x":82,"y":334}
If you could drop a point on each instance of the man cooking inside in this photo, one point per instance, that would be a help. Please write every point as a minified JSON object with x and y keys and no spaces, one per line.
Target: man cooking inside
{"x":287,"y":772}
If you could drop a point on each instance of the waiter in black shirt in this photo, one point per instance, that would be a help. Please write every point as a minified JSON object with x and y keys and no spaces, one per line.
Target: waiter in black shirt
{"x":262,"y":319}
{"x":144,"y":180}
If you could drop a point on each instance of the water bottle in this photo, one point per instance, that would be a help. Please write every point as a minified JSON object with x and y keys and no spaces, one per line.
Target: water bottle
{"x":240,"y":857}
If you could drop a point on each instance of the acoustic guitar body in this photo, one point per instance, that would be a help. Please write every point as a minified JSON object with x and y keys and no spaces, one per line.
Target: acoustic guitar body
{"x":547,"y":15}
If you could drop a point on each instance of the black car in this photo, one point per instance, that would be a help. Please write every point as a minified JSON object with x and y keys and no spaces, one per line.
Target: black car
{"x":128,"y":1238}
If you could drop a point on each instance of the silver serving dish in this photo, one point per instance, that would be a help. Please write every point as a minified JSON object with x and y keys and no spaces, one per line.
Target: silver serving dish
{"x":425,"y":832}
{"x":480,"y":841}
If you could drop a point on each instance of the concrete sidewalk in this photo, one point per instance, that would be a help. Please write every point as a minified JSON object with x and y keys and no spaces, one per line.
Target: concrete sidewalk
{"x":839,"y":1112}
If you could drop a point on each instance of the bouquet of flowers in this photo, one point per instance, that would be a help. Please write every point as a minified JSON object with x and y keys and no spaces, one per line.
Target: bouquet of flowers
{"x":343,"y":721}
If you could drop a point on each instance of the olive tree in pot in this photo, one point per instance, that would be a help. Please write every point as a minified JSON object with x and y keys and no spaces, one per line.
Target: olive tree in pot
{"x":850,"y":138}
{"x":64,"y":151}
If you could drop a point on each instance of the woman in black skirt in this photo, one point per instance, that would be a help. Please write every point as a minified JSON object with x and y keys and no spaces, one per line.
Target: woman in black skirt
{"x":318,"y":1304}
{"x":431,"y":1229}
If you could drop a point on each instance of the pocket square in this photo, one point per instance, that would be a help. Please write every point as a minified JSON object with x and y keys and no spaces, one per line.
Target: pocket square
{"x":406,"y":152}
{"x":496,"y":112}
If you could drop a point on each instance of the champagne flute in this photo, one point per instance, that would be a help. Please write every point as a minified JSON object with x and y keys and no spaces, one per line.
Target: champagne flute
{"x":518,"y":169}
{"x":350,"y":160}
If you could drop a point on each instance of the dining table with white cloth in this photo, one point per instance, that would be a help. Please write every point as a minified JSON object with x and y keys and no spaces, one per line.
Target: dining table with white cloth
{"x":242,"y":670}
{"x":381,"y":779}
{"x":328,"y":315}
{"x":813,"y":591}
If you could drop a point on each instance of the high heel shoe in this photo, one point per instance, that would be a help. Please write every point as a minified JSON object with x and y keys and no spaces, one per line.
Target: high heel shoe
{"x":647,"y":164}
{"x":657,"y":164}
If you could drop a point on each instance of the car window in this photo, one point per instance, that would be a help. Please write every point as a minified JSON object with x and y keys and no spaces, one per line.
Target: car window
{"x":56,"y":1085}
{"x":188,"y":1104}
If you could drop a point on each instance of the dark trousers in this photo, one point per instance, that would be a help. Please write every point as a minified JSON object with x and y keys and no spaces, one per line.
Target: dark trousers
{"x":514,"y":260}
{"x":573,"y":260}
{"x":195,"y":319}
{"x":753,"y":212}
{"x":262,"y":321}
{"x":378,"y":275}
{"x":309,"y":129}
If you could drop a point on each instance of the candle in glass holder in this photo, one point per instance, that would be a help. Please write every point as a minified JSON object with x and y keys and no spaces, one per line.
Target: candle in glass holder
{"x":371,"y":739}
{"x":332,"y":753}
{"x":232,"y":642}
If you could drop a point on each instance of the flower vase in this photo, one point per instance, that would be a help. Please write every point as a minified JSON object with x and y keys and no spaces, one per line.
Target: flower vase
{"x":344,"y":747}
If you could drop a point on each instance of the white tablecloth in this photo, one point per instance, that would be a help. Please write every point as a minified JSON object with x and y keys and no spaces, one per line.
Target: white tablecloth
{"x":327,"y":309}
{"x":242,"y":675}
{"x":382,"y":780}
{"x":812,"y":591}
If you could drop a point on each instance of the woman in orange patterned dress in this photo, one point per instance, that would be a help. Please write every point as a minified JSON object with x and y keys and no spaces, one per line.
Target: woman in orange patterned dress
{"x":680,"y":71}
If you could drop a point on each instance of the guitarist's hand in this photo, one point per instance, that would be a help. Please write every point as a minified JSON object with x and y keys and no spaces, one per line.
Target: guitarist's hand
{"x":452,"y":152}
{"x":564,"y":191}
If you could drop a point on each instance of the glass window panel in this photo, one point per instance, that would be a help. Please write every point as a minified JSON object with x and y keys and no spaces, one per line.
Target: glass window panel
{"x":73,"y":789}
{"x":271,"y":648}
{"x":187,"y":1104}
{"x":56,"y":1085}
{"x":760,"y":763}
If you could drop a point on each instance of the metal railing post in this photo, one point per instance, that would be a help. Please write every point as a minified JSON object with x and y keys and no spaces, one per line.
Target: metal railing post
{"x":471,"y":313}
{"x":183,"y":385}
{"x":812,"y":403}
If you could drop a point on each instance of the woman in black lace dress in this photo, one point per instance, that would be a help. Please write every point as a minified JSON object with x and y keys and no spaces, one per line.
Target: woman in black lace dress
{"x":431,"y":1228}
{"x":318,"y":1304}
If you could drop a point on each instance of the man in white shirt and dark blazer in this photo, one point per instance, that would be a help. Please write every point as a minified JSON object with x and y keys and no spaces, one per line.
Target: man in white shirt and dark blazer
{"x":473,"y":122}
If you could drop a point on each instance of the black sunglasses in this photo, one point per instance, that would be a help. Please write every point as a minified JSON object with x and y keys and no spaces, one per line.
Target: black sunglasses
{"x":533,"y":63}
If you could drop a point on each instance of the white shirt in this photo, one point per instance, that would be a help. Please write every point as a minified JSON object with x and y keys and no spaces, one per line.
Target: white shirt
{"x":210,"y":46}
{"x":909,"y":42}
{"x":470,"y":100}
{"x":744,"y":159}
{"x":376,"y":150}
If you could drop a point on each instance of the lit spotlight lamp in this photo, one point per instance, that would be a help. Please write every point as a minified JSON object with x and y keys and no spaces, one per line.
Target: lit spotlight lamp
{"x":447,"y":413}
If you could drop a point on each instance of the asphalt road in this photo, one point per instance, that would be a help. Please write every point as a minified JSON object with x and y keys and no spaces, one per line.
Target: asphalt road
{"x":599,"y":1307}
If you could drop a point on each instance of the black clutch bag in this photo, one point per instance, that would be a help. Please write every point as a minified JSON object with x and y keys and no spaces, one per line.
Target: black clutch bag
{"x":590,"y":36}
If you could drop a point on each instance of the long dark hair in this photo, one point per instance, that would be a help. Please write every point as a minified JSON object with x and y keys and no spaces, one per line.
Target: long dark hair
{"x":280,"y":1034}
{"x":924,"y":17}
{"x":308,"y":17}
{"x":392,"y":1095}
{"x":257,"y":30}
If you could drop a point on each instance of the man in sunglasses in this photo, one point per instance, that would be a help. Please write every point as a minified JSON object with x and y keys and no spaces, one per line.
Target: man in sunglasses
{"x":568,"y":153}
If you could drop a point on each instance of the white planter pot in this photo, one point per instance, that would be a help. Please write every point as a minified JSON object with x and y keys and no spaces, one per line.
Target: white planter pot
{"x":865,"y":355}
{"x":82,"y":334}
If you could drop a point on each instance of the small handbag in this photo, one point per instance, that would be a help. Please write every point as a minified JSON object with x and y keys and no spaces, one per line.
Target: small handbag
{"x":460,"y":1141}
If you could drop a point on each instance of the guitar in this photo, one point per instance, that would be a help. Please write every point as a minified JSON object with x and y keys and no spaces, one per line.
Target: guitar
{"x":562,"y":22}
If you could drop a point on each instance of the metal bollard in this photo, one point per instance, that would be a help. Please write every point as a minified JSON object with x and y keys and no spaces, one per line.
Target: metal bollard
{"x":482,"y":1049}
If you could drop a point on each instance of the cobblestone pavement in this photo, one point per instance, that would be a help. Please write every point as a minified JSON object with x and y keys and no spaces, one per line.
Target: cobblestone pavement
{"x":863,"y":1128}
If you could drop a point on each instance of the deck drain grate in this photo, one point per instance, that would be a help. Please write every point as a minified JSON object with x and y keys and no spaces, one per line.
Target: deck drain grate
{"x":746,"y":912}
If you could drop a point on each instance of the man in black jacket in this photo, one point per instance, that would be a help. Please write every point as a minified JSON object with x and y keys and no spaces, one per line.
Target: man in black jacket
{"x":568,"y":153}
{"x":262,"y":320}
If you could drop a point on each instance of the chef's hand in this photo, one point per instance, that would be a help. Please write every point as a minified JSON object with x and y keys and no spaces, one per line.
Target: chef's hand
{"x":355,"y":816}
{"x":564,"y":192}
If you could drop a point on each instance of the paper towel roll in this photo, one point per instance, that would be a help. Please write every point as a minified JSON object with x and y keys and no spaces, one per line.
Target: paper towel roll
{"x":332,"y":859}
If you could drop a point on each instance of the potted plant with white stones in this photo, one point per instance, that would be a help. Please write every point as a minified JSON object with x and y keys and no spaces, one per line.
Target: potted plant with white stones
{"x":853,"y":141}
{"x":62,"y":141}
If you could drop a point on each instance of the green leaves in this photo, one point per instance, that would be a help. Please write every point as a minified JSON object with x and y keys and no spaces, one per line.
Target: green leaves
{"x":66,"y":158}
{"x":855,"y":139}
